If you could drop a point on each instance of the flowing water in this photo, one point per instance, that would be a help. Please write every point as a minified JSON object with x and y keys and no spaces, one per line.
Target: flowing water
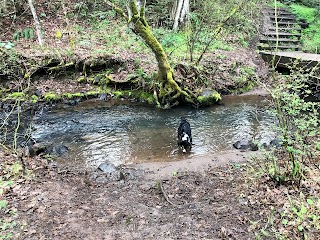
{"x":96,"y":132}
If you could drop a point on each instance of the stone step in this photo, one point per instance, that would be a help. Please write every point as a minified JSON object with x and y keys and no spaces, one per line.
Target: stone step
{"x":282,"y":34}
{"x":280,"y":47}
{"x":285,"y":29}
{"x":285,"y":40}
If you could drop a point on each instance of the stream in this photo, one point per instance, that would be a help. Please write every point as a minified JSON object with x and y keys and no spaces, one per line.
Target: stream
{"x":97,"y":131}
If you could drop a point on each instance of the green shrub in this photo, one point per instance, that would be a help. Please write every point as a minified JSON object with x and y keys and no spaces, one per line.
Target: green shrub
{"x":298,"y":130}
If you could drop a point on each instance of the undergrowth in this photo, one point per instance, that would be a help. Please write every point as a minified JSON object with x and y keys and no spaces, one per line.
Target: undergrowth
{"x":311,"y":35}
{"x":10,"y":175}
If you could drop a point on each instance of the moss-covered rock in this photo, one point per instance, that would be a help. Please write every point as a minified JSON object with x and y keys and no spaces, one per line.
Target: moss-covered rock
{"x":208,"y":97}
{"x":51,"y":97}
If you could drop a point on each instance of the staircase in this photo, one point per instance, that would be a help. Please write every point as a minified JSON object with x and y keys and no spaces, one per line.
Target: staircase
{"x":283,"y":28}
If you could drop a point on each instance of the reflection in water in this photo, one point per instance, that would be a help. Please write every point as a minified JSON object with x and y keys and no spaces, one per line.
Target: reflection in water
{"x":121,"y":133}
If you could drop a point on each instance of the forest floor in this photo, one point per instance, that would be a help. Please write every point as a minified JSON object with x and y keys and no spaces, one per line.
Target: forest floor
{"x":58,"y":203}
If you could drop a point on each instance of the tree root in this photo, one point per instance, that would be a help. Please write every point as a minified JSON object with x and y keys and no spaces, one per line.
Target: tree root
{"x":61,"y":66}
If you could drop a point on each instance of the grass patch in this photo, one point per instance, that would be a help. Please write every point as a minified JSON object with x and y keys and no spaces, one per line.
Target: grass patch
{"x":310,"y":36}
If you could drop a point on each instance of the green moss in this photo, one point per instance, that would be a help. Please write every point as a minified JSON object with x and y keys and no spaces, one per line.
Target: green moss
{"x":245,"y":88}
{"x":15,"y":95}
{"x":73,"y":95}
{"x":209,"y":99}
{"x":118,"y":94}
{"x":144,"y":96}
{"x":134,"y":94}
{"x":51,"y":97}
{"x":92,"y":93}
{"x":34,"y":99}
{"x":81,"y":79}
{"x":100,"y":79}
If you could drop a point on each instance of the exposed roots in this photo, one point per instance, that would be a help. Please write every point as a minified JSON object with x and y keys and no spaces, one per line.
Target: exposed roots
{"x":171,"y":94}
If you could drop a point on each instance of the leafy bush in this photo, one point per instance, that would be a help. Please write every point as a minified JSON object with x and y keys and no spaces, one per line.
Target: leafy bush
{"x":298,"y":125}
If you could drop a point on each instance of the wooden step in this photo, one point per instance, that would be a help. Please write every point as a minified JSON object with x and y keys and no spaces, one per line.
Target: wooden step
{"x":285,"y":29}
{"x":282,"y":18}
{"x":281,"y":23}
{"x":280,"y":47}
{"x":285,"y":14}
{"x":287,"y":40}
{"x":282,"y":34}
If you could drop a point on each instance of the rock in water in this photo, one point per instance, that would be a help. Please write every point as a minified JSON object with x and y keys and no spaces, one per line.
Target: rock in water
{"x":107,"y":167}
{"x":244,"y":145}
{"x":59,"y":150}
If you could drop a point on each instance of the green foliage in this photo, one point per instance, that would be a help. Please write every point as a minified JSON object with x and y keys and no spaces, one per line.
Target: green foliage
{"x":8,"y":176}
{"x":245,"y":80}
{"x":118,"y":94}
{"x":278,"y":4}
{"x":303,"y":215}
{"x":26,"y":33}
{"x":311,"y":38}
{"x":10,"y":65}
{"x":298,"y":128}
{"x":114,"y":34}
{"x":306,"y":13}
{"x":311,"y":35}
{"x":169,"y":39}
{"x":307,"y":3}
{"x":206,"y":31}
{"x":6,"y":45}
{"x":158,"y":13}
{"x":212,"y":12}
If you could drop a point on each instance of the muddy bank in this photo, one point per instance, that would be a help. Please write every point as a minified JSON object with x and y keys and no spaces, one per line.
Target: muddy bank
{"x":163,"y":170}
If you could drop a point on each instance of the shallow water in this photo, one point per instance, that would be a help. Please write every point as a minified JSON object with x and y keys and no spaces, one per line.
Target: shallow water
{"x":96,"y":132}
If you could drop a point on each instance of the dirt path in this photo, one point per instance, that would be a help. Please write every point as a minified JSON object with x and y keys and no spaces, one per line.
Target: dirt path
{"x":63,"y":204}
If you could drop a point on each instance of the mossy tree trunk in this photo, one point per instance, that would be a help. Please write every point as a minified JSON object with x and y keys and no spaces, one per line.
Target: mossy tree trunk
{"x":169,"y":93}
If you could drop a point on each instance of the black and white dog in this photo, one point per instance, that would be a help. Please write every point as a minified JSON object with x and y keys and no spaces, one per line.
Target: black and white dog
{"x":184,"y":135}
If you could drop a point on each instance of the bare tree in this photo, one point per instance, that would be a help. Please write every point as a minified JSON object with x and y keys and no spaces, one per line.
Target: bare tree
{"x":36,"y":22}
{"x":180,"y":13}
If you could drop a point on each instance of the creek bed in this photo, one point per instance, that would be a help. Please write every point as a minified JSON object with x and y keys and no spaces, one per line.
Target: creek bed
{"x":122,"y":132}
